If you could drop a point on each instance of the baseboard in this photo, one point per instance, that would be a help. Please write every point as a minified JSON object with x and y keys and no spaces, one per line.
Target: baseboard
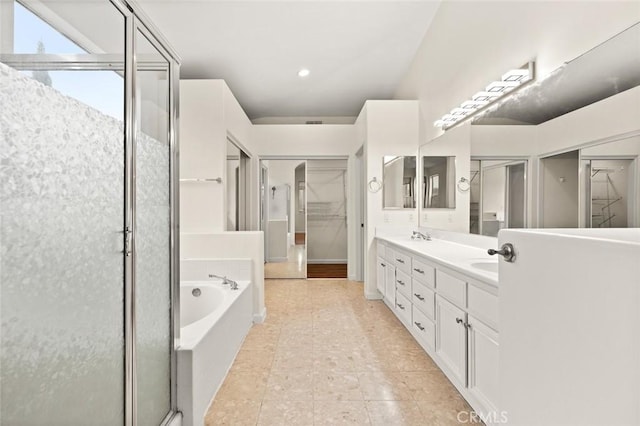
{"x":372,"y":296}
{"x":260,"y":317}
{"x":322,"y":261}
{"x":277,"y":259}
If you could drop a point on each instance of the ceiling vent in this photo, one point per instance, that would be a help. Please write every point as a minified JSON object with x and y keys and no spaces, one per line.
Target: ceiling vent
{"x":314,"y":122}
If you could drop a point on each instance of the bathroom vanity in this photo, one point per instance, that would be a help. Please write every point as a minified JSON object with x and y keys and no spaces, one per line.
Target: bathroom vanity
{"x":446,"y":294}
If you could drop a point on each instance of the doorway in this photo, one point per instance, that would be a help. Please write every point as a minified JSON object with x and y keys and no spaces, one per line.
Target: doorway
{"x":304,"y":217}
{"x":283,"y":220}
{"x":237,"y":187}
{"x":327,"y":191}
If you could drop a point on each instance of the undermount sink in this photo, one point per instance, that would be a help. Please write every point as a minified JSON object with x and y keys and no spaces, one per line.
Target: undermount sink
{"x":486,"y":266}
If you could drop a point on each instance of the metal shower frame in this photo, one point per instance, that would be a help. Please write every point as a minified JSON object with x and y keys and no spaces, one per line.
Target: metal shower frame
{"x":135,"y":21}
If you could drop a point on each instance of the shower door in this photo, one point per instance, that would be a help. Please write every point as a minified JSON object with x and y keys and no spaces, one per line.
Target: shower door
{"x":152,"y":206}
{"x":88,"y":250}
{"x":62,"y":213}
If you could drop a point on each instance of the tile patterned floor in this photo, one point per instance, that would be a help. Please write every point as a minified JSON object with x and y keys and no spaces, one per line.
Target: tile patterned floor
{"x":327,"y":356}
{"x":294,"y":267}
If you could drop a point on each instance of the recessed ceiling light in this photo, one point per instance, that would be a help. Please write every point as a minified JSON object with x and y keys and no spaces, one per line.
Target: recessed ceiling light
{"x":303,"y":72}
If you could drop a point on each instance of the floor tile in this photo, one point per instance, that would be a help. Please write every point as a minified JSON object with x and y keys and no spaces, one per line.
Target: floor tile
{"x":383,"y":386}
{"x":327,"y":356}
{"x":233,"y":413}
{"x":332,"y":413}
{"x":396,"y":413}
{"x":292,"y":385}
{"x":298,"y":413}
{"x":330,"y":386}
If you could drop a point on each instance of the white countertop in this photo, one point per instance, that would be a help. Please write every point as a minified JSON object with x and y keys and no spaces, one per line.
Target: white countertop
{"x":456,"y":256}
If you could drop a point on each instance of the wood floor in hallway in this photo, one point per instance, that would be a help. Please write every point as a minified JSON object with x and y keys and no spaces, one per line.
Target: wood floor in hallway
{"x":328,"y":356}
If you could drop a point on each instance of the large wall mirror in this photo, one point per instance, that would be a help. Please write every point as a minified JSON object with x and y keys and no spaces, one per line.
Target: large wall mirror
{"x":498,"y":195}
{"x":611,"y":184}
{"x":438,"y":182}
{"x":399,"y":182}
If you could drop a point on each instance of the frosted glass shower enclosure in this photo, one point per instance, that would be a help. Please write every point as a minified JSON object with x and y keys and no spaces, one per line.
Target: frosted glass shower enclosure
{"x":88,"y":247}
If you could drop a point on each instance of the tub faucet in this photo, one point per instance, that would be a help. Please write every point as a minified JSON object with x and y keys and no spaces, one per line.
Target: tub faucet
{"x":226,"y":281}
{"x":417,"y":235}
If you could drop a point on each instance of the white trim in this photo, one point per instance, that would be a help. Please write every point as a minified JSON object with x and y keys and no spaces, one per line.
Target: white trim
{"x":323,"y":261}
{"x":373,"y":296}
{"x":260,"y":317}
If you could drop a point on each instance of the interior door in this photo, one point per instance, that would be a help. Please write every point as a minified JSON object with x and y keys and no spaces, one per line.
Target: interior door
{"x":569,"y":328}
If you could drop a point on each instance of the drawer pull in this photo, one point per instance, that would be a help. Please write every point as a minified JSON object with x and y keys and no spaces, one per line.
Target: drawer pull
{"x":400,"y":260}
{"x":400,"y":306}
{"x":420,"y":271}
{"x":383,"y":265}
{"x":418,"y":296}
{"x":400,"y":282}
{"x":459,"y":320}
{"x":419,"y":326}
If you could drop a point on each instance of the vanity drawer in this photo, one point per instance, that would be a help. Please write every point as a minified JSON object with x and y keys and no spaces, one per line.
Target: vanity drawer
{"x":402,"y":261}
{"x":403,"y":283}
{"x":424,"y":273}
{"x":484,"y":306}
{"x":423,"y":327}
{"x":403,"y":308}
{"x":423,"y":298}
{"x":452,"y":288}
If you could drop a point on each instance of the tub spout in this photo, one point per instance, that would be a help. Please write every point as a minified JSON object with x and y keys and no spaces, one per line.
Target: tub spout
{"x":226,"y":281}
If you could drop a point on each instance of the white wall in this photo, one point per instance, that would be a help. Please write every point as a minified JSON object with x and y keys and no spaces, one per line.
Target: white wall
{"x":451,"y":65}
{"x":387,"y":128}
{"x":303,"y":140}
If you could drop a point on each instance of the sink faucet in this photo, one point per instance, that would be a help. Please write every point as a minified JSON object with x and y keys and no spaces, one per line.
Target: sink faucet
{"x":417,"y":235}
{"x":226,"y":281}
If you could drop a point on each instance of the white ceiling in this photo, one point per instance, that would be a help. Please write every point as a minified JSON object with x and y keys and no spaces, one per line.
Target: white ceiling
{"x":356,"y":50}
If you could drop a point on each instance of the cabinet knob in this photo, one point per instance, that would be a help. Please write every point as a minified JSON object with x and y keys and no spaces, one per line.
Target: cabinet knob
{"x":418,"y":296}
{"x":419,"y":326}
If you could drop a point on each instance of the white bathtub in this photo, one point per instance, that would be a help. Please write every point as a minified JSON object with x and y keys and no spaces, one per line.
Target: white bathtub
{"x":213,"y":326}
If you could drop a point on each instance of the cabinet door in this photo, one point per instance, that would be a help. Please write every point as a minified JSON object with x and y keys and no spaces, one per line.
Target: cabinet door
{"x":451,"y":338}
{"x":483,"y":363}
{"x":390,"y":283}
{"x":382,"y":266}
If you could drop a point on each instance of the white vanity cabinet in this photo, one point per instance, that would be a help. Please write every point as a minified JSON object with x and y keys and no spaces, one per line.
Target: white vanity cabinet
{"x":451,"y":339}
{"x":483,"y":375}
{"x":454,"y":317}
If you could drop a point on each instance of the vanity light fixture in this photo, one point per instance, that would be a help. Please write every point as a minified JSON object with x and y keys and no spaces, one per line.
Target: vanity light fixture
{"x":304,"y":72}
{"x":510,"y":81}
